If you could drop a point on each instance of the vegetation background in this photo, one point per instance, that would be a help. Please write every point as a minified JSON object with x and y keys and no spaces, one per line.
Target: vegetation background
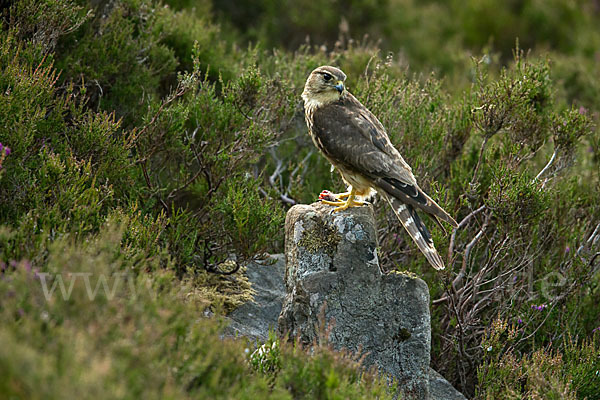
{"x":163,"y":141}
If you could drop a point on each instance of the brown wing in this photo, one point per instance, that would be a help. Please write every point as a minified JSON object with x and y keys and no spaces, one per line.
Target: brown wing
{"x":352,"y":136}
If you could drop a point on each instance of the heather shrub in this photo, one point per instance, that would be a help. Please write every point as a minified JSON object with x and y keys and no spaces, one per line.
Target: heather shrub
{"x":70,"y":165}
{"x":43,"y":23}
{"x":84,"y":323}
{"x":198,"y":154}
{"x":163,"y":141}
{"x":422,"y":34}
{"x":186,"y":33}
{"x":117,"y":58}
{"x":325,"y":374}
{"x":138,"y":312}
{"x":545,"y":374}
{"x":65,"y":163}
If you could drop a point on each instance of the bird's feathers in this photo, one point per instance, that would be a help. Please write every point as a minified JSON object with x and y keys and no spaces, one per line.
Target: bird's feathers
{"x":353,"y":137}
{"x":354,"y":140}
{"x":413,"y":195}
{"x":417,"y":231}
{"x":356,"y":143}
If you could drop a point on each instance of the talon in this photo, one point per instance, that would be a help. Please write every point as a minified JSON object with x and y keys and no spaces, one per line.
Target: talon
{"x":333,"y":203}
{"x":327,"y":195}
{"x":348,"y":204}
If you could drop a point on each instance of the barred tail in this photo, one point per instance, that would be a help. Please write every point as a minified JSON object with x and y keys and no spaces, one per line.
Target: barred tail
{"x":417,"y":230}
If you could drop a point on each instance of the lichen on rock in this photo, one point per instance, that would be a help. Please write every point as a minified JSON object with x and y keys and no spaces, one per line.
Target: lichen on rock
{"x":333,"y":278}
{"x":319,"y":237}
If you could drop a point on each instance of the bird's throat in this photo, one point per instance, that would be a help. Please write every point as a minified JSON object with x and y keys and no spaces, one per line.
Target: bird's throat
{"x":316,"y":100}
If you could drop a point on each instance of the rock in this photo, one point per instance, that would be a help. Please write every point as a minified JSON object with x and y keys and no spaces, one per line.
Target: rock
{"x":332,"y":276}
{"x":441,"y":389}
{"x":254,"y":319}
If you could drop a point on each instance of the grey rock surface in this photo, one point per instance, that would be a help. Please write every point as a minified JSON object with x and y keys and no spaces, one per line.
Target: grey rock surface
{"x":332,"y":277}
{"x":441,"y":389}
{"x":254,"y":319}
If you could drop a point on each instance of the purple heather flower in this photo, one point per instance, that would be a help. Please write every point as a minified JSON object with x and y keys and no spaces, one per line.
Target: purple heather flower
{"x":398,"y":238}
{"x":27,"y":265}
{"x":596,"y":329}
{"x":567,"y":249}
{"x":582,"y":110}
{"x":6,"y":149}
{"x":519,"y":321}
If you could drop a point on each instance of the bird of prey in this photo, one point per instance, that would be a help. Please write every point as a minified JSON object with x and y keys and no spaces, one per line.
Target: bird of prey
{"x":357,"y":145}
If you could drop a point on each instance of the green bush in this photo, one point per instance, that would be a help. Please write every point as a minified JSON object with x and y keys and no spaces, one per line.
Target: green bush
{"x":118,"y":59}
{"x":116,"y":333}
{"x":437,"y":35}
{"x":167,"y":139}
{"x":546,"y":374}
{"x":325,"y":374}
{"x":65,"y":163}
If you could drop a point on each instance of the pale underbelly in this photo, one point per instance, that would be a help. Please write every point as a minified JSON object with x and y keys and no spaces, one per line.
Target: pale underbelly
{"x":360,"y":184}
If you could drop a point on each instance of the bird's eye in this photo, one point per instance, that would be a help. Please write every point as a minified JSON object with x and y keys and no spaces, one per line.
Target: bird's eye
{"x":327,"y":77}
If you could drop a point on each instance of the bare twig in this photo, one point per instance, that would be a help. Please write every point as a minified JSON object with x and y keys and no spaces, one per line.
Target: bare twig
{"x":591,"y":263}
{"x":461,"y":225}
{"x":476,"y":172}
{"x":547,"y":166}
{"x":468,"y":249}
{"x":295,"y":171}
{"x":132,"y":139}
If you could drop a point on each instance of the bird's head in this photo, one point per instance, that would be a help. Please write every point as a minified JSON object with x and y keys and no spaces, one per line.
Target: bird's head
{"x":324,"y":85}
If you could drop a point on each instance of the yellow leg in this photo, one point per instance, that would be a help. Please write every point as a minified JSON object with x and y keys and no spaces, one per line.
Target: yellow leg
{"x":333,"y":203}
{"x":326,"y":195}
{"x":341,"y":195}
{"x":342,"y":205}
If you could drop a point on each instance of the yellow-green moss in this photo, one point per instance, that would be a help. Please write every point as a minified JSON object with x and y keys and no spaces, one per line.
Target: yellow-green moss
{"x":319,"y":237}
{"x":408,"y":274}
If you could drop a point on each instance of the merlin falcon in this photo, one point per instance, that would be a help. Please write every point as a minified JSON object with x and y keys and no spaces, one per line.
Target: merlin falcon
{"x":357,"y":145}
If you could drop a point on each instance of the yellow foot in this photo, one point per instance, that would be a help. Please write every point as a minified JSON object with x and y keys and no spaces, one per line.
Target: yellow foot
{"x":333,"y":203}
{"x":351,"y":202}
{"x":326,"y":195}
{"x":331,"y":199}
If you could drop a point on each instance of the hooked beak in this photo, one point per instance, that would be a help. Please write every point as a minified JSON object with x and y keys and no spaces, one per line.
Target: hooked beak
{"x":339,"y":87}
